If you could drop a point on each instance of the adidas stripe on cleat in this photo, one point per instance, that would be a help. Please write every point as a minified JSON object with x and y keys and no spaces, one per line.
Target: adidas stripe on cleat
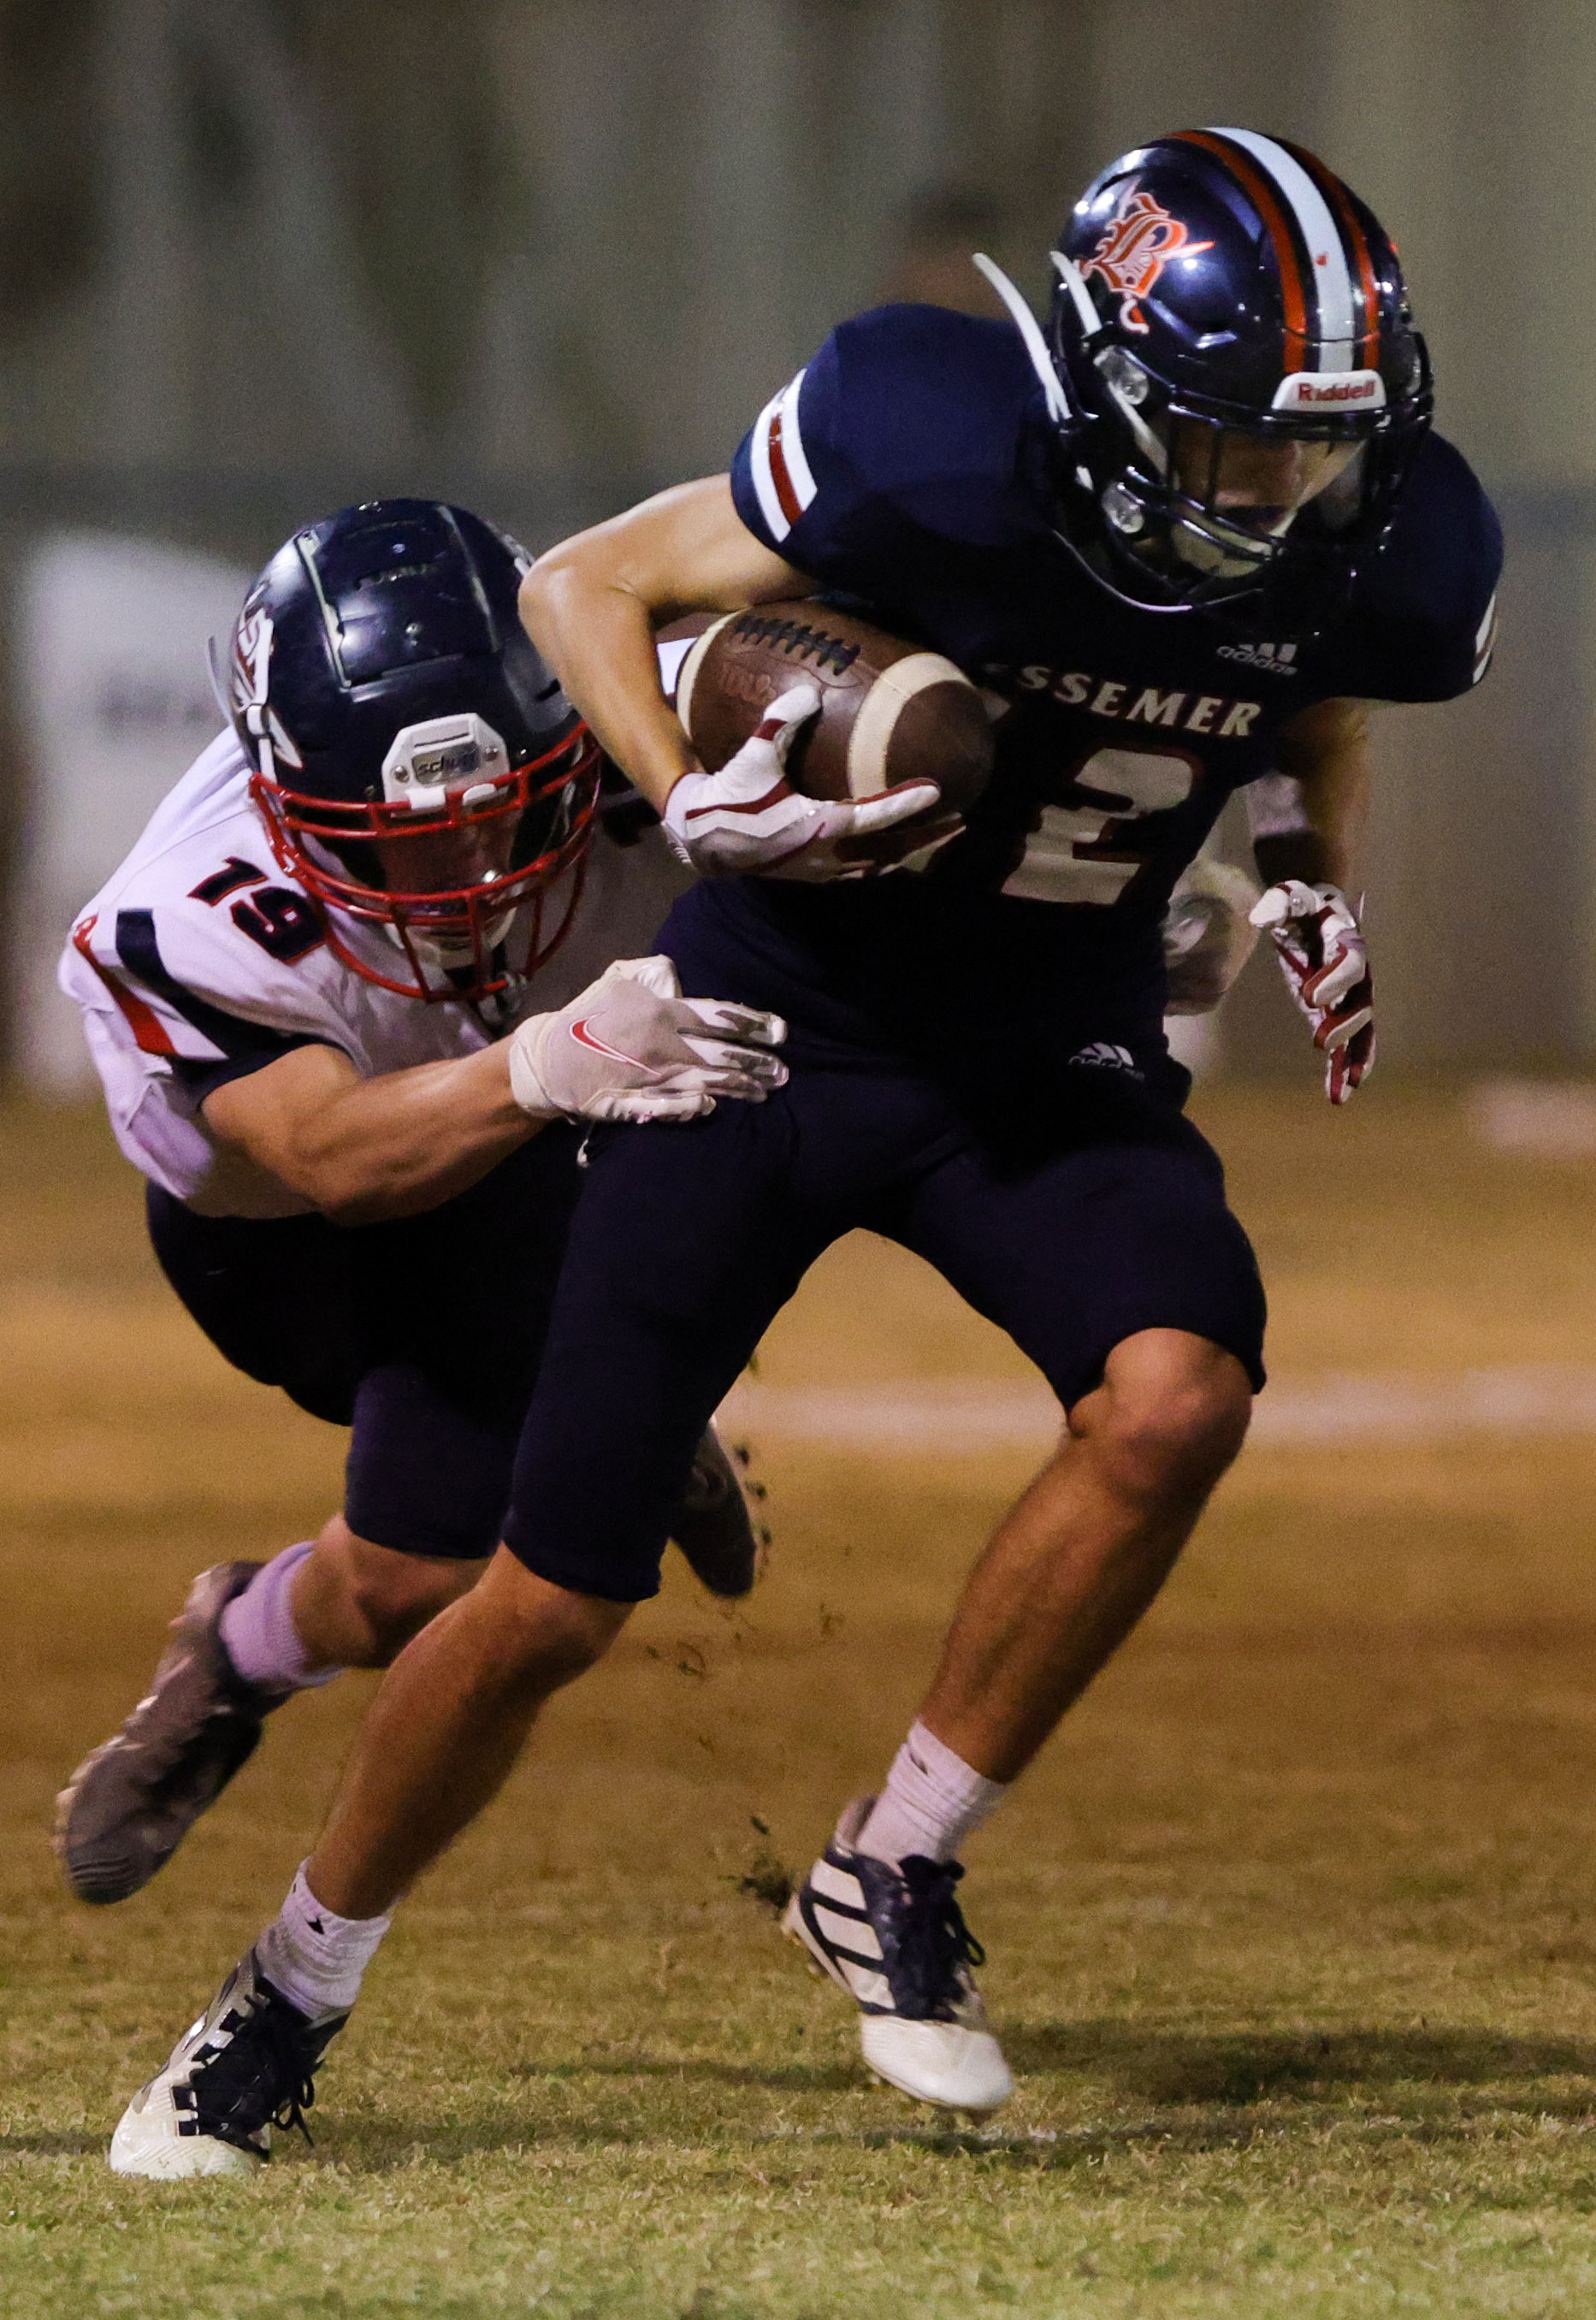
{"x":895,"y":1938}
{"x":246,"y":2065}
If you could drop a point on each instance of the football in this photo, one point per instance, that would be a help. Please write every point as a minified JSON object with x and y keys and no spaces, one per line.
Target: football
{"x":890,"y":711}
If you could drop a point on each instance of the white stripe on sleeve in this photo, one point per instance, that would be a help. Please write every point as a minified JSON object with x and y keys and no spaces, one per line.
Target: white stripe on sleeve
{"x":792,"y":451}
{"x":770,"y":506}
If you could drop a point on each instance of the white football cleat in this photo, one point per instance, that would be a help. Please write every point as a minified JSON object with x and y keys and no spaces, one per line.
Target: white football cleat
{"x":246,"y":2065}
{"x":895,"y":1940}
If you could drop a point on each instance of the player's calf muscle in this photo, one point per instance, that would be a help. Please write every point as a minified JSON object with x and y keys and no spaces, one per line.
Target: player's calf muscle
{"x":356,"y":1604}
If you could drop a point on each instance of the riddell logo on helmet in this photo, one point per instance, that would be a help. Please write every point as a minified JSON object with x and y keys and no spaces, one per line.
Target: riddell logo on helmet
{"x":1307,"y":390}
{"x":1131,"y":256}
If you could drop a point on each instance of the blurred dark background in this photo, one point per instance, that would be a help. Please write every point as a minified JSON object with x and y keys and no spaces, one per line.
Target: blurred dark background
{"x":258,"y":258}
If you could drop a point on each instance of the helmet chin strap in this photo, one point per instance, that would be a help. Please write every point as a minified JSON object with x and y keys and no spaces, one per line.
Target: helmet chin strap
{"x":218,"y":679}
{"x":1075,"y":282}
{"x":1030,"y":329}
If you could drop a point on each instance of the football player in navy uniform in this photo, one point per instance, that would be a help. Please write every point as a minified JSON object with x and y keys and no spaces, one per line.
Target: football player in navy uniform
{"x":1186,"y":535}
{"x":319,"y":991}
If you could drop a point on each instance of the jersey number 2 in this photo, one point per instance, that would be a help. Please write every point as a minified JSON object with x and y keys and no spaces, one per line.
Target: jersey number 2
{"x":1089,"y":853}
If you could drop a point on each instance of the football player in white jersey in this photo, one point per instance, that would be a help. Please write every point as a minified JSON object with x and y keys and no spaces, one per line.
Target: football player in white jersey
{"x":319,"y":997}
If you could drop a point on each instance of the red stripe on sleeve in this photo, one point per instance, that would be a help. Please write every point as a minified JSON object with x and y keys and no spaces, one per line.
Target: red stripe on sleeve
{"x":145,"y":1024}
{"x":792,"y":506}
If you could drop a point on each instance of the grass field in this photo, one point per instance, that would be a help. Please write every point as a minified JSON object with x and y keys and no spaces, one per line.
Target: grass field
{"x":1290,"y":1932}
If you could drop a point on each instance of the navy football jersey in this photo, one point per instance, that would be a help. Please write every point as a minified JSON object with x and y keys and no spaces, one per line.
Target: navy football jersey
{"x":904,"y":468}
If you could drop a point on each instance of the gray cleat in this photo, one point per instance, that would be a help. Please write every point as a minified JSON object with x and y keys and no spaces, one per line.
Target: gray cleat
{"x":130,"y":1802}
{"x":713,"y":1527}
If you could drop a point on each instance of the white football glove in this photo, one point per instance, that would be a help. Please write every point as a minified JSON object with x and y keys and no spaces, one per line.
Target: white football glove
{"x":746,"y":817}
{"x":1324,"y":961}
{"x":630,"y":1047}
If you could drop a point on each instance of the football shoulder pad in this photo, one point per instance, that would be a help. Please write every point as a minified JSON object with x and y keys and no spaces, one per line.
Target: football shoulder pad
{"x":1422,"y":624}
{"x":910,"y":412}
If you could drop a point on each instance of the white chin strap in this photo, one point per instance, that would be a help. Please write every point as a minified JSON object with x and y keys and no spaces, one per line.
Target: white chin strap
{"x":1030,"y":329}
{"x":1036,"y":345}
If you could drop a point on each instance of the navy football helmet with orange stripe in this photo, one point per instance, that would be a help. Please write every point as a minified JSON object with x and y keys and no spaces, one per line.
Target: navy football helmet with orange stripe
{"x":1236,"y":379}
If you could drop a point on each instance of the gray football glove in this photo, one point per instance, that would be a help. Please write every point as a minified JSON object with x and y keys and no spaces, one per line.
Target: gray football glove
{"x":630,"y":1047}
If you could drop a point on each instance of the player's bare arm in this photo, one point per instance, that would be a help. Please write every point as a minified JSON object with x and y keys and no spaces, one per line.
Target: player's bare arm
{"x":1308,"y":821}
{"x":592,"y":606}
{"x":368,"y":1149}
{"x":365,"y":1150}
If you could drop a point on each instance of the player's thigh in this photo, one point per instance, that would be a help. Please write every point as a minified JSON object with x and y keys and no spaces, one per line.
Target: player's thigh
{"x":428,"y":1471}
{"x":1074,"y":1253}
{"x":454,"y":1309}
{"x":463,"y":1294}
{"x":276,"y":1297}
{"x":687,"y":1240}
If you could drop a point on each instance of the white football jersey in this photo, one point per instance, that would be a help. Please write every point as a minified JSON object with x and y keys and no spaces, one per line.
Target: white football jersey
{"x":202,"y":960}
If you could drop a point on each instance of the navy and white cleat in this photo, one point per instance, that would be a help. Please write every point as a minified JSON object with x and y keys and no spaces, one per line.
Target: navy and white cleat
{"x":895,"y":1940}
{"x":134,"y":1798}
{"x":246,"y":2065}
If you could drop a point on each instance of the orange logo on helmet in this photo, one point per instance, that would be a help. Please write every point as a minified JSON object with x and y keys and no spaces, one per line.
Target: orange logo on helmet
{"x":1141,"y":242}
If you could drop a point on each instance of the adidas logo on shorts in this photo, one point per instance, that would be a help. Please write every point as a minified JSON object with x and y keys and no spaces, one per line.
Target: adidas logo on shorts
{"x":1104,"y":1056}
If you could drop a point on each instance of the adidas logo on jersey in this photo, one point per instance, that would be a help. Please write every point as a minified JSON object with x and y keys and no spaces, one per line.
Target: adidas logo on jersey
{"x":1105,"y":1055}
{"x":1279,"y":660}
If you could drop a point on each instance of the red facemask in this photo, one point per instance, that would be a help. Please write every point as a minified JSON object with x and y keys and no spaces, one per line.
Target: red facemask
{"x":461,"y":858}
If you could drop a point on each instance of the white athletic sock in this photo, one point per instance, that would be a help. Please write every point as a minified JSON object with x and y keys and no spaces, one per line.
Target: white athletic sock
{"x":257,"y":1630}
{"x":931,"y":1802}
{"x":315,"y":1957}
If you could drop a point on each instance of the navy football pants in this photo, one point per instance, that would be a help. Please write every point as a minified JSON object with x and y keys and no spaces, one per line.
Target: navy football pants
{"x":688,"y":1239}
{"x":422,"y":1335}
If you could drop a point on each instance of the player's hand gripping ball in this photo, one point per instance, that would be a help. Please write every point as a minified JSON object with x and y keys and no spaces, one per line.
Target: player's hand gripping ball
{"x":630,"y":1047}
{"x":830,"y":749}
{"x":1325,"y":964}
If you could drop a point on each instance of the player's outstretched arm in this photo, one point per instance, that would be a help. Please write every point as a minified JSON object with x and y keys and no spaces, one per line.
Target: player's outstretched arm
{"x":365,"y":1149}
{"x":629,"y":1047}
{"x":1307,"y":821}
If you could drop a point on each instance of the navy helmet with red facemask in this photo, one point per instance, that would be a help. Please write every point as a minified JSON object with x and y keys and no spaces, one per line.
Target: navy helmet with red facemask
{"x":417,"y":765}
{"x":1236,"y":383}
